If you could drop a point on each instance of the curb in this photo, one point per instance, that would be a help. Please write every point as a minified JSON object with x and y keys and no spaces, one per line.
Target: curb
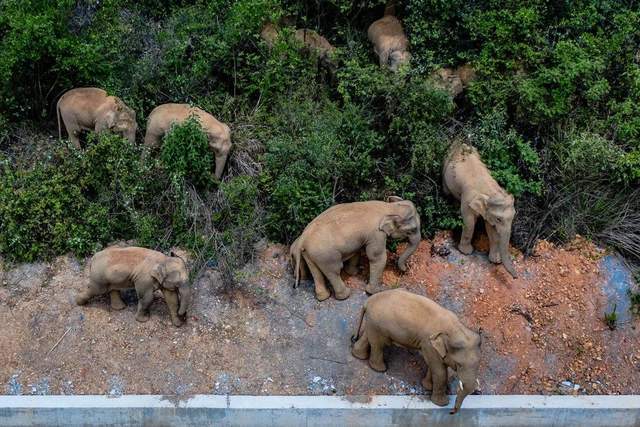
{"x":371,"y":411}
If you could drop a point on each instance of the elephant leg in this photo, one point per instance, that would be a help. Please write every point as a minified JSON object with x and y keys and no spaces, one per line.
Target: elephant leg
{"x":116,"y":300}
{"x":469,"y":224}
{"x":494,"y":250}
{"x":92,"y":290}
{"x":427,"y":381}
{"x":376,"y":359}
{"x":351,"y":266}
{"x":322,"y":293}
{"x":151,"y":139}
{"x":144,"y":301}
{"x":377,"y":261}
{"x":171,"y":298}
{"x":333,"y":275}
{"x":438,"y":371}
{"x":362,"y":347}
{"x":74,"y":137}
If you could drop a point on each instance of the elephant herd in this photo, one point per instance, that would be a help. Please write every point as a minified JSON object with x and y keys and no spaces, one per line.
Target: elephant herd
{"x":333,"y":241}
{"x":91,"y":109}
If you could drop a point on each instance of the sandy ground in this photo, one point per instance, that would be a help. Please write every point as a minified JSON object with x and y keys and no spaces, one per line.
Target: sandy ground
{"x":542,"y":333}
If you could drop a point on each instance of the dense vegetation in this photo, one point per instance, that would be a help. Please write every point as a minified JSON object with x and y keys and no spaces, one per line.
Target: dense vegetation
{"x":554,"y":110}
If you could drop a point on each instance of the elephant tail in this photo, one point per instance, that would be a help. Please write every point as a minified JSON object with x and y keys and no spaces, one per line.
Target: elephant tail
{"x":356,"y":336}
{"x":297,"y":256}
{"x":58,"y":117}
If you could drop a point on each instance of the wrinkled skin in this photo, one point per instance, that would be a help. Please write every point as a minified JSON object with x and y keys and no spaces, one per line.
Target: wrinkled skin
{"x":389,"y":42}
{"x":453,"y":81}
{"x":91,"y":109}
{"x":338,"y":234}
{"x":412,"y":321}
{"x":310,"y":39}
{"x":164,"y":116}
{"x":145,"y":270}
{"x":467,"y":178}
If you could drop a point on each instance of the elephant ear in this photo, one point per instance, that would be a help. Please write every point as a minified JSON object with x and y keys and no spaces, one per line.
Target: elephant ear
{"x":159,"y":272}
{"x":393,"y":199}
{"x":389,"y":223}
{"x":479,"y":204}
{"x":438,"y":341}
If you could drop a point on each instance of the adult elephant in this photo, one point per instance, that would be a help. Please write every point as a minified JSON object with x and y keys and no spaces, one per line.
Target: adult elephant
{"x":164,"y":116}
{"x":467,"y":178}
{"x":339,"y":233}
{"x":91,"y":109}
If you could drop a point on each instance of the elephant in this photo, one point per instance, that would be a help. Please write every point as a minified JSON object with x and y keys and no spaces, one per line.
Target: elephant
{"x":146,"y":270}
{"x":164,"y":116}
{"x":389,"y":42}
{"x":453,"y":81}
{"x":338,"y":235}
{"x":90,"y":108}
{"x":412,"y":321}
{"x":310,"y":39}
{"x":467,"y":178}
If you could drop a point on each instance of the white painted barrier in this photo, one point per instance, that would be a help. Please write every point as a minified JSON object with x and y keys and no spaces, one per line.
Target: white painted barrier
{"x":370,"y":411}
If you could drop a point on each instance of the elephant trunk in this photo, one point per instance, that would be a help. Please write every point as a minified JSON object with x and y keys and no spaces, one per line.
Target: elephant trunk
{"x":414,"y":241}
{"x":185,"y":297}
{"x":464,"y":389}
{"x":221,"y":160}
{"x":506,"y":257}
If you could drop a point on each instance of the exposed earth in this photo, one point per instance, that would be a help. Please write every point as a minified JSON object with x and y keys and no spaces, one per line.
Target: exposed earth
{"x":543,"y":333}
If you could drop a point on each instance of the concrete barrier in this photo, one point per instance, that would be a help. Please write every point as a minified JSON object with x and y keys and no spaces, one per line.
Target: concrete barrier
{"x":370,"y":411}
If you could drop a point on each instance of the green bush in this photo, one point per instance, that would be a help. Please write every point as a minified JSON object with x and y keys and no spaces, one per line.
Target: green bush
{"x":74,"y":202}
{"x":316,"y":155}
{"x":185,"y":153}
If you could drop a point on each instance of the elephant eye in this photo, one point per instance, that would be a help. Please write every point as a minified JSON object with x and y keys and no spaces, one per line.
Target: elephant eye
{"x":498,"y":219}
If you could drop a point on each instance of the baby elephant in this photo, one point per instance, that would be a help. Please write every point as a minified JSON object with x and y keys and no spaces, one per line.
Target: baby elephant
{"x":145,"y":270}
{"x":467,"y":178}
{"x":389,"y":42}
{"x":338,"y":234}
{"x":90,"y":108}
{"x":164,"y":116}
{"x":412,"y":321}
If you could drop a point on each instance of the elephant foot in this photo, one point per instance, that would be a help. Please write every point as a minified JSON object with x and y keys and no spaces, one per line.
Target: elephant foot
{"x":177,"y":322}
{"x":352,"y":270}
{"x":362,"y":354}
{"x":118,"y":304}
{"x":465,"y":248}
{"x":321,"y":296}
{"x":142,"y":317}
{"x":81,"y":299}
{"x":440,"y":399}
{"x":377,"y":366}
{"x":373,"y":289}
{"x":344,"y":294}
{"x":427,"y":384}
{"x":495,"y":258}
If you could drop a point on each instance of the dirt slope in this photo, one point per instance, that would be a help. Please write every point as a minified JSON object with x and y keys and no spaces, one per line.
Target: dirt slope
{"x":263,"y":337}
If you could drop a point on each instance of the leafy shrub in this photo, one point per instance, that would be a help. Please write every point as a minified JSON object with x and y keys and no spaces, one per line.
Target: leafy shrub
{"x":74,"y":202}
{"x":185,"y":153}
{"x":317,"y":155}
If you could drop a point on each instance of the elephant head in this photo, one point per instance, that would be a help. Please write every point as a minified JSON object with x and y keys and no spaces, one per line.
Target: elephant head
{"x":220,"y":144}
{"x":172,"y":274}
{"x":398,"y":58}
{"x":460,"y":350}
{"x":498,"y":211}
{"x":402,"y":222}
{"x":121,"y":120}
